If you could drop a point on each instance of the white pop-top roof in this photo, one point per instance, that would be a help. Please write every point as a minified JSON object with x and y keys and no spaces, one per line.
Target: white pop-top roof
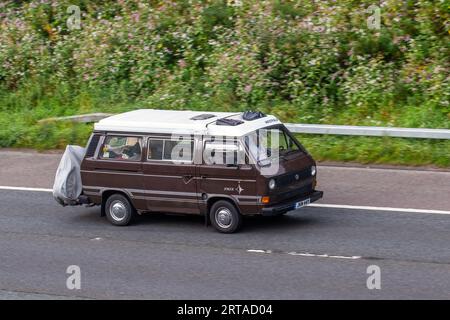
{"x":180,"y":122}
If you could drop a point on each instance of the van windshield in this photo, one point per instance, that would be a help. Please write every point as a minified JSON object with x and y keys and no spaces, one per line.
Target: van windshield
{"x":270,"y":144}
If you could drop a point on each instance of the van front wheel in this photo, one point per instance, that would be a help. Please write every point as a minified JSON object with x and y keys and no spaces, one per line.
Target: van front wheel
{"x":119,"y":210}
{"x":225,"y":217}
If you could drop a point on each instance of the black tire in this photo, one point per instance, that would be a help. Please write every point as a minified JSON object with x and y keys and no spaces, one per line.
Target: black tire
{"x":119,"y":211}
{"x":225,"y":217}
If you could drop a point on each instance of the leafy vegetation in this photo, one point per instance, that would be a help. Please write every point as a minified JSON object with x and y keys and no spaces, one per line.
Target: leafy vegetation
{"x":304,"y":61}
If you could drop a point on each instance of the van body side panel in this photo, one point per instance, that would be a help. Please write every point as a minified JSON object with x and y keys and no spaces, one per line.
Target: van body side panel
{"x":236,"y":183}
{"x":170,"y":187}
{"x":100,"y":175}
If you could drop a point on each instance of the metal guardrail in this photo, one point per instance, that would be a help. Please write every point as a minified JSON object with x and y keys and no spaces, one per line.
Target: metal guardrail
{"x":369,"y":131}
{"x":83,"y":118}
{"x":312,"y":128}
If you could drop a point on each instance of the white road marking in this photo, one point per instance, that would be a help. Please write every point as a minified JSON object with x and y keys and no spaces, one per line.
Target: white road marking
{"x":409,"y":170}
{"x":259,"y":251}
{"x":343,"y":206}
{"x":25,"y":189}
{"x":306,"y":254}
{"x":316,"y":205}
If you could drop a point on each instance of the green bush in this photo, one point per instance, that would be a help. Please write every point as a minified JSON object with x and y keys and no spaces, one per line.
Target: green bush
{"x":305,"y":61}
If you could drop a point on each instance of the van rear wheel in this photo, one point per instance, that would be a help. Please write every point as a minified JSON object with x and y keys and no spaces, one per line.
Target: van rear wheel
{"x":225,"y":217}
{"x":119,"y":210}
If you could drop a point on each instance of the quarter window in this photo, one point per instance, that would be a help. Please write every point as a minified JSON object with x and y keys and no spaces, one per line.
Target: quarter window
{"x":122,"y":148}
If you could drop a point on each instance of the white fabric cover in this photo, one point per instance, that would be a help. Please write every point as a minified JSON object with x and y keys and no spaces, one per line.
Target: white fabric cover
{"x":67,"y":186}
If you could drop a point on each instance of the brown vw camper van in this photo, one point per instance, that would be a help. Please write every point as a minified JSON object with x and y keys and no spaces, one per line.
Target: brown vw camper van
{"x":221,"y":165}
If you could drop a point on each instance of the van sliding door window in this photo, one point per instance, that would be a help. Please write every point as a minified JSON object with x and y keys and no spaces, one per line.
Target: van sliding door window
{"x":122,"y":148}
{"x":178,"y":150}
{"x":155,"y":149}
{"x":170,"y":150}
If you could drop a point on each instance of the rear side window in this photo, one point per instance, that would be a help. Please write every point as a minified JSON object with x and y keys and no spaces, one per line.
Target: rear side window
{"x":92,"y":146}
{"x":122,"y":148}
{"x":170,"y":150}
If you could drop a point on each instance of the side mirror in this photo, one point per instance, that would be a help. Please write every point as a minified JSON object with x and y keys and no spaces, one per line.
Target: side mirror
{"x":264,"y":163}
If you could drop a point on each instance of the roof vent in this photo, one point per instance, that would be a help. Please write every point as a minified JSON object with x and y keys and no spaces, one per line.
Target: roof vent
{"x":228,"y":122}
{"x":203,"y":116}
{"x":252,"y":115}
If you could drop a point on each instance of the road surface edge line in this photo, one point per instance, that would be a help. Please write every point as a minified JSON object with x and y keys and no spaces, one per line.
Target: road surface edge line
{"x":316,"y":205}
{"x":25,"y":189}
{"x":409,"y":210}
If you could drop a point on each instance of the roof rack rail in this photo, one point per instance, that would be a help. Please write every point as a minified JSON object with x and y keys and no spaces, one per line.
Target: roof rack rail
{"x":252,"y":115}
{"x":228,"y":122}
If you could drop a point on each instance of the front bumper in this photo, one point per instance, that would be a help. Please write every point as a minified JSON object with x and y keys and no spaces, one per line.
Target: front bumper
{"x":289,"y":206}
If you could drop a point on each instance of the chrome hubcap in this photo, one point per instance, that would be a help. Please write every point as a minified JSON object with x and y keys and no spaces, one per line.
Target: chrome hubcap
{"x":224,"y":218}
{"x":118,"y":210}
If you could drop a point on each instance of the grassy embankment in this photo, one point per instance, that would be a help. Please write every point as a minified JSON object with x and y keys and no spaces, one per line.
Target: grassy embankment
{"x":306,"y":62}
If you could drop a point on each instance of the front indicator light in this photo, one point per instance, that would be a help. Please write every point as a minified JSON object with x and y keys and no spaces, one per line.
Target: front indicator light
{"x":265,"y":200}
{"x":313,"y":170}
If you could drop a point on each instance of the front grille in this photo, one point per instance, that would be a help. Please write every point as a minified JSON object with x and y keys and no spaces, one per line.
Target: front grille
{"x":289,"y":178}
{"x":298,"y":192}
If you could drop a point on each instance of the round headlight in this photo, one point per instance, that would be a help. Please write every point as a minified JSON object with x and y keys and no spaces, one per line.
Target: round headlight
{"x":313,"y":170}
{"x":272,"y":184}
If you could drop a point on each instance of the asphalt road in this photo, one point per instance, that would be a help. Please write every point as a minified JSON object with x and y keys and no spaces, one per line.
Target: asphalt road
{"x":313,"y":253}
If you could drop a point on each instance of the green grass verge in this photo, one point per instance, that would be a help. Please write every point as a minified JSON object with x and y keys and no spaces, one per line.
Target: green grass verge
{"x":20,"y":112}
{"x":378,"y":150}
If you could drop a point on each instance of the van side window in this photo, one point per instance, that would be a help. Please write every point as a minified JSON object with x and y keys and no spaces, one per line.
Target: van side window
{"x":92,"y":147}
{"x":226,"y":153}
{"x":155,"y":149}
{"x":180,"y":150}
{"x":170,"y":150}
{"x":122,"y":148}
